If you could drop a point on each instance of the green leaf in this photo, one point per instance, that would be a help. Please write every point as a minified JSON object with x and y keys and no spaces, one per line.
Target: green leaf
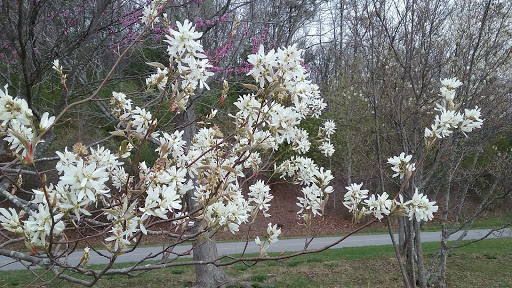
{"x":251,"y":87}
{"x":156,"y":64}
{"x":230,"y":169}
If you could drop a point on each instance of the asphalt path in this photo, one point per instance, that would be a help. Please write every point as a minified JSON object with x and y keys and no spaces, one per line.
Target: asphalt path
{"x":289,"y":245}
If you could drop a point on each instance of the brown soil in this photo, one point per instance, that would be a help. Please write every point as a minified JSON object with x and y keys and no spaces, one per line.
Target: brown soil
{"x":283,"y":212}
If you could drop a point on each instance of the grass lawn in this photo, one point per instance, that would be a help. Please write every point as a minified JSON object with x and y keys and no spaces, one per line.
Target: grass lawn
{"x":484,"y":264}
{"x":487,"y":222}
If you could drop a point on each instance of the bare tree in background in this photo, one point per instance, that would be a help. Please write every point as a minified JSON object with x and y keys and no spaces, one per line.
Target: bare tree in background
{"x":82,"y":34}
{"x":394,"y":53}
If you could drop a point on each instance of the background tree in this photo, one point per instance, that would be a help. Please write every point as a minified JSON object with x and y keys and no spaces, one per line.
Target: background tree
{"x":395,"y":53}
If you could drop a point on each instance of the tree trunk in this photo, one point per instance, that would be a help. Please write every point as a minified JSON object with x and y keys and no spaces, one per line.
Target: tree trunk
{"x":349,"y":163}
{"x":207,"y":276}
{"x":401,"y":234}
{"x":422,"y":280}
{"x":441,"y":279}
{"x":410,"y":254}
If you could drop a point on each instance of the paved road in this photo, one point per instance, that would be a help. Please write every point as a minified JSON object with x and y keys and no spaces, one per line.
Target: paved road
{"x":282,"y":245}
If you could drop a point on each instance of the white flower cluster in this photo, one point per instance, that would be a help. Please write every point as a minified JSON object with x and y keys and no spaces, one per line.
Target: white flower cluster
{"x":125,"y":223}
{"x":150,"y":13}
{"x":316,"y":183}
{"x":188,"y":67}
{"x":281,"y":71}
{"x":420,"y":207}
{"x":266,"y":122}
{"x":10,"y":220}
{"x":354,"y":196}
{"x":449,"y":118}
{"x":380,"y":206}
{"x":217,"y":186}
{"x":272,"y":233}
{"x":19,"y":138}
{"x":284,"y":66}
{"x":13,"y":109}
{"x":159,"y":79}
{"x":36,"y":228}
{"x":401,"y":165}
{"x":86,"y":175}
{"x":260,"y":195}
{"x":357,"y":201}
{"x":188,"y":53}
{"x":16,"y":122}
{"x":328,"y":129}
{"x":81,"y":185}
{"x":316,"y":194}
{"x":139,"y":120}
{"x":39,"y":225}
{"x":121,"y":105}
{"x":142,"y":121}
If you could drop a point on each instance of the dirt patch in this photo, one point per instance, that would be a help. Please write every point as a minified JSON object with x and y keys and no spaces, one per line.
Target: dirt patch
{"x":283,"y":212}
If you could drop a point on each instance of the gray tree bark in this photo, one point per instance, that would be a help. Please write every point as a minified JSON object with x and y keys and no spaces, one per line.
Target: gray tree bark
{"x":207,"y":275}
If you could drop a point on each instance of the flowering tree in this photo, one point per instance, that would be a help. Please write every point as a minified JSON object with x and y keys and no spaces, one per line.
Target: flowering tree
{"x":115,"y":196}
{"x":384,"y":77}
{"x":418,"y":208}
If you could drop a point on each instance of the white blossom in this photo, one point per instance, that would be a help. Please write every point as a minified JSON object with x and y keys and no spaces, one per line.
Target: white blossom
{"x":273,"y":232}
{"x":158,"y":79}
{"x":263,"y":122}
{"x":329,"y":127}
{"x":260,"y":195}
{"x":420,"y":207}
{"x":142,"y":120}
{"x":119,"y":236}
{"x":56,"y":66}
{"x":122,"y":105}
{"x":46,"y":122}
{"x":184,"y":40}
{"x":11,"y":109}
{"x":472,"y":120}
{"x":19,"y":137}
{"x":38,"y":225}
{"x":327,"y":148}
{"x":451,"y":83}
{"x":380,"y":206}
{"x":160,"y":200}
{"x":401,"y":165}
{"x":301,"y":141}
{"x":150,"y":14}
{"x":10,"y":220}
{"x":449,"y":119}
{"x":354,"y":196}
{"x":72,"y":204}
{"x":263,"y":65}
{"x":87,"y":179}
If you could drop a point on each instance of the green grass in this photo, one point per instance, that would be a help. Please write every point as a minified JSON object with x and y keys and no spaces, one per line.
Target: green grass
{"x":482,"y":264}
{"x":487,"y":222}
